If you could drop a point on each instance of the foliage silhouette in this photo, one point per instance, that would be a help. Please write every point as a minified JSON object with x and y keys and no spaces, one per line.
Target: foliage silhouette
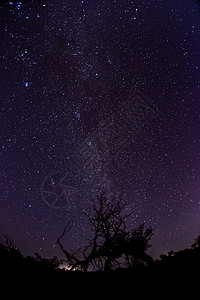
{"x":112,"y":243}
{"x":116,"y":253}
{"x":180,"y":262}
{"x":12,"y":259}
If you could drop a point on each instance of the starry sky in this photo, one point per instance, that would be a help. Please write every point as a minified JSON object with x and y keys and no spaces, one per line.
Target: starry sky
{"x":99,"y":96}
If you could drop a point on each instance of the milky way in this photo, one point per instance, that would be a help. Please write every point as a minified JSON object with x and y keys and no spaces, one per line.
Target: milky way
{"x":99,"y":96}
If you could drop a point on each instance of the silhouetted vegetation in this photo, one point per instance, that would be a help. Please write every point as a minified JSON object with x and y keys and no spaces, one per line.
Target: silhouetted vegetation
{"x":114,"y":252}
{"x":112,"y":244}
{"x":12,"y":260}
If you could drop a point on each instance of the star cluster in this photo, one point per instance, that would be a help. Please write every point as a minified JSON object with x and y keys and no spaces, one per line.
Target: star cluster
{"x":99,"y":95}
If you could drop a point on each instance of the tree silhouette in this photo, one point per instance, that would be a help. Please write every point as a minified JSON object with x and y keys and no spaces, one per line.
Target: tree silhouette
{"x":111,"y":245}
{"x":196,"y":243}
{"x":111,"y":240}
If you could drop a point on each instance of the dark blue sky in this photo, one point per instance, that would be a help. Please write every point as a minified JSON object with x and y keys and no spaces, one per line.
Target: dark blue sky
{"x":99,"y":95}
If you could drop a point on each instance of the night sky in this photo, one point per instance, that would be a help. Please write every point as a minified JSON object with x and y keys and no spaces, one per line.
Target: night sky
{"x":99,"y":96}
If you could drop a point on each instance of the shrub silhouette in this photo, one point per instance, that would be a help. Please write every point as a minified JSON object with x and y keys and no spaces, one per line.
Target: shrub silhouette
{"x":180,"y":263}
{"x":112,"y":247}
{"x":12,"y":261}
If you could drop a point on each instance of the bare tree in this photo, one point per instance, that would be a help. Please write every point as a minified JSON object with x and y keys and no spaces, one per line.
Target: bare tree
{"x":9,"y":243}
{"x":111,"y":240}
